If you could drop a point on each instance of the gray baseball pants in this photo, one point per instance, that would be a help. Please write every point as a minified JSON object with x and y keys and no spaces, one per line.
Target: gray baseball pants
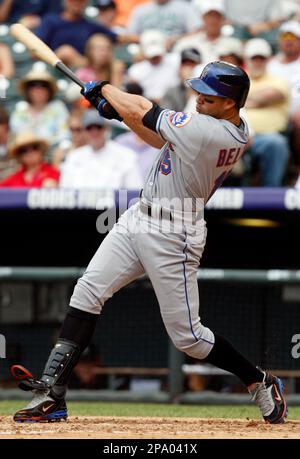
{"x":140,"y":244}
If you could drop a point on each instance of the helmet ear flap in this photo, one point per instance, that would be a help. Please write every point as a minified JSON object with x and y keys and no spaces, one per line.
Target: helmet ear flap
{"x":239,"y":82}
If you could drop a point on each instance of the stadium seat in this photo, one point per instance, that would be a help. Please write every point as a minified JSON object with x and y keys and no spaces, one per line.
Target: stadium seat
{"x":122,"y":52}
{"x":11,"y":96}
{"x":5,"y":36}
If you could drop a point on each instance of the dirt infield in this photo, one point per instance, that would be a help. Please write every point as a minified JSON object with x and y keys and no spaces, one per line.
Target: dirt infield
{"x":138,"y":427}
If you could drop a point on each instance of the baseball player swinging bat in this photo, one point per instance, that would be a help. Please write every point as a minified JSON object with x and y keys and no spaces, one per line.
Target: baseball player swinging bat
{"x":39,"y":49}
{"x":198,"y":150}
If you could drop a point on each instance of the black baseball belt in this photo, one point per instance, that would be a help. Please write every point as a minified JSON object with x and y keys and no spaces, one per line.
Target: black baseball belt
{"x":154,"y":212}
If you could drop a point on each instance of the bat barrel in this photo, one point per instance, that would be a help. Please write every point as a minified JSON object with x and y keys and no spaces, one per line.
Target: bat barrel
{"x":40,"y":50}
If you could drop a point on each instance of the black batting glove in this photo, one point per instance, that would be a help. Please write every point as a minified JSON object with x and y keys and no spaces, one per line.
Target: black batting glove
{"x":92,"y":92}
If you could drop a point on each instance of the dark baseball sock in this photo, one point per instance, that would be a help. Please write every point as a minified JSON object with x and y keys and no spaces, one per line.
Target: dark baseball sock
{"x":78,"y":327}
{"x":223,"y":355}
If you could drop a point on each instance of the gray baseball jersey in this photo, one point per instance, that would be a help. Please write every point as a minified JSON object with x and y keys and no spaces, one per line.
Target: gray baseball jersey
{"x":199,"y":153}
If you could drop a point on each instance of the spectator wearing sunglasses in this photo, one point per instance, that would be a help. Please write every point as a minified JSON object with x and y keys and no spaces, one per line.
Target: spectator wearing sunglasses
{"x":40,"y":112}
{"x":78,"y":138}
{"x":102,"y":163}
{"x":286,"y":64}
{"x":29,"y":150}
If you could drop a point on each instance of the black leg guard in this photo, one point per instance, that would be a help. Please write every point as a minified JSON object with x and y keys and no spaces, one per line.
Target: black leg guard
{"x":63,"y":358}
{"x":75,"y":335}
{"x":76,"y":332}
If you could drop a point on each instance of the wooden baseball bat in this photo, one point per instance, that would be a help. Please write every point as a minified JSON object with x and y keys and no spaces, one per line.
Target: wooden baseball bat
{"x":40,"y":50}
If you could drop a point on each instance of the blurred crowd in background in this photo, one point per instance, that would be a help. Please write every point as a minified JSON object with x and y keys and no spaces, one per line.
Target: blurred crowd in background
{"x":50,"y":136}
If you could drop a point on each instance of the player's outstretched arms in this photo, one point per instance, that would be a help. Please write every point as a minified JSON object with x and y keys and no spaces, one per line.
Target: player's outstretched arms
{"x":130,"y":107}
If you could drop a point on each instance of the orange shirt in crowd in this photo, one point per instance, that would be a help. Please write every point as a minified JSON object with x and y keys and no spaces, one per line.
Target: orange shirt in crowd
{"x":124,"y":10}
{"x":46,"y":175}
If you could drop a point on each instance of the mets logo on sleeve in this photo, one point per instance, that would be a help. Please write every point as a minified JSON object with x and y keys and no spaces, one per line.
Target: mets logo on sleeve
{"x":180,"y":119}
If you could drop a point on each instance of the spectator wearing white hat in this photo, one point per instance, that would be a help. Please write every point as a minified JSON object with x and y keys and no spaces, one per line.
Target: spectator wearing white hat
{"x":231,"y":50}
{"x":210,"y":37}
{"x":267,"y":112}
{"x":101,"y":163}
{"x":286,"y":64}
{"x":159,"y":70}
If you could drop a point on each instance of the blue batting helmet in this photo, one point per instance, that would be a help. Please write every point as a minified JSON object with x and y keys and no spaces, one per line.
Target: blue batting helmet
{"x":224,"y":80}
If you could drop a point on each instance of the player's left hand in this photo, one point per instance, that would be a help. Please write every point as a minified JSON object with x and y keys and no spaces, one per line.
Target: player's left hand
{"x":92,"y":92}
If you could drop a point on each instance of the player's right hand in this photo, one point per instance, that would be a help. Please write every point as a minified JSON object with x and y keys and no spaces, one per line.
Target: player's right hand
{"x":92,"y":92}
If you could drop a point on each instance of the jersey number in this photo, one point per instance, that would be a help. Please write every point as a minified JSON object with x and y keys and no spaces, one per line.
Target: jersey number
{"x":166,"y":165}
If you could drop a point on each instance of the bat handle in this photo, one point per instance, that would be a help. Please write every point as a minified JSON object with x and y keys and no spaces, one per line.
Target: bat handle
{"x":64,"y":69}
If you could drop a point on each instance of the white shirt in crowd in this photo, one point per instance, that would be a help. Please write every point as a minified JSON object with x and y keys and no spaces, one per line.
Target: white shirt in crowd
{"x":248,"y":13}
{"x":174,"y":17}
{"x":156,"y":79}
{"x":291,"y":73}
{"x":112,"y":167}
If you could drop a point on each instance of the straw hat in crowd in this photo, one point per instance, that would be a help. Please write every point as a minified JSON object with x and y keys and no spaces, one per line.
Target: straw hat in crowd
{"x":37,"y":75}
{"x":26,"y":138}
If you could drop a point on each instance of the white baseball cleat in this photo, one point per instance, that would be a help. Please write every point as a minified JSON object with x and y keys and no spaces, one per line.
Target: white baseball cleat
{"x":268,"y":395}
